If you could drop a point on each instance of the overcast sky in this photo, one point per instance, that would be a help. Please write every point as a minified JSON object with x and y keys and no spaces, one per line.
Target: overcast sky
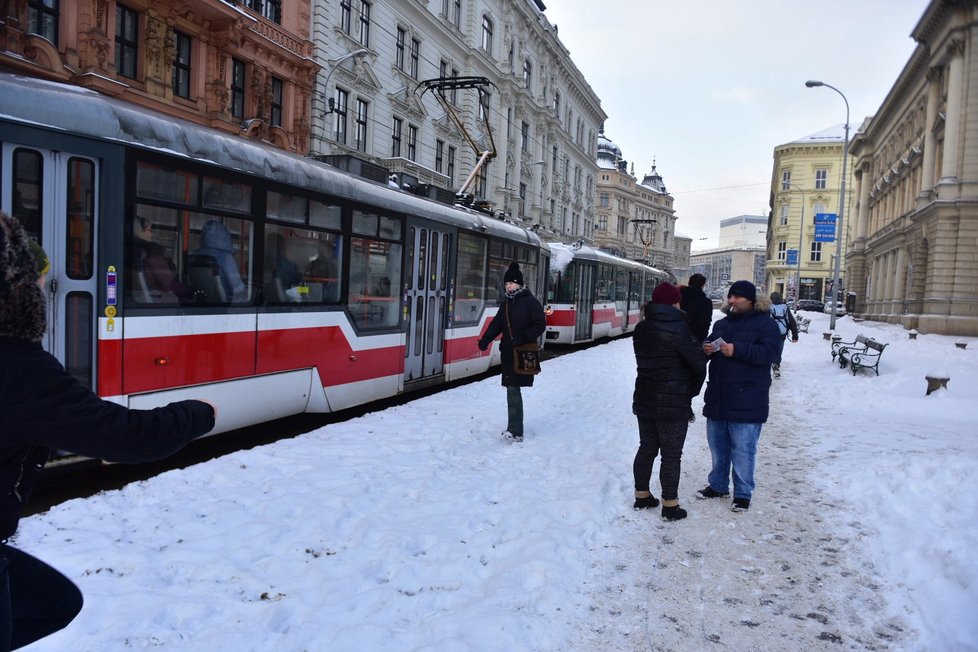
{"x":708,"y":88}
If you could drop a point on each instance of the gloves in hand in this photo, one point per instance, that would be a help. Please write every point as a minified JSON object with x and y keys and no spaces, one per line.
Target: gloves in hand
{"x":483,"y":345}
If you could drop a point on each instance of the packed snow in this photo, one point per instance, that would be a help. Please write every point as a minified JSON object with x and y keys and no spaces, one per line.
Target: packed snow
{"x":419,"y":528}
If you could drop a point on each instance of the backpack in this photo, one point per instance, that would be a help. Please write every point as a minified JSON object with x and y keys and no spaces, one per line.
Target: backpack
{"x":780,"y":314}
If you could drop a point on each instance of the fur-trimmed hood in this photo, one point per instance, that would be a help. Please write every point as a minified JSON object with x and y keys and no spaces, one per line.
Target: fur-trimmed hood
{"x":23,"y":310}
{"x":763,"y":304}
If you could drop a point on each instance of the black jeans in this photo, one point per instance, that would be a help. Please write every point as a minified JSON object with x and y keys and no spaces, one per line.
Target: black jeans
{"x":658,"y":436}
{"x":35,"y":599}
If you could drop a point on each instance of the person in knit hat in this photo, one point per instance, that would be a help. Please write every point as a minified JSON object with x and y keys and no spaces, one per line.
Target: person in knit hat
{"x":670,"y":368}
{"x":741,"y":348}
{"x":44,"y":408}
{"x":520,"y":320}
{"x":697,"y":306}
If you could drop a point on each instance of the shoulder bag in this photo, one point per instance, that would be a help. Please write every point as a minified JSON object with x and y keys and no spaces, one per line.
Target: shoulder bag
{"x":526,"y":357}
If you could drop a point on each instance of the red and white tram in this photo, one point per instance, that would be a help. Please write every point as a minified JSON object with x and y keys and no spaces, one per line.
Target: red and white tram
{"x":191,"y":264}
{"x":593,"y":294}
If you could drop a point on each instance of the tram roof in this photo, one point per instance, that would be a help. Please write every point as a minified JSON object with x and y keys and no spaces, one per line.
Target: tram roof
{"x":585,"y":252}
{"x":80,"y":111}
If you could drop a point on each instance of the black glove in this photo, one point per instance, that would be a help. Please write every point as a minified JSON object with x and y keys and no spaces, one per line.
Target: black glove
{"x":483,"y":345}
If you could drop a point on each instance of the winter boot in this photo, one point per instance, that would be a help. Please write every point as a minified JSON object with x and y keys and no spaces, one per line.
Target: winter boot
{"x":740,"y":505}
{"x":674,"y":513}
{"x":649,"y":502}
{"x":707,"y":492}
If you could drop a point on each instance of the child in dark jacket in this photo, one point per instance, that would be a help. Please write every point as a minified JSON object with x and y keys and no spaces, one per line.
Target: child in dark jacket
{"x":42,"y":407}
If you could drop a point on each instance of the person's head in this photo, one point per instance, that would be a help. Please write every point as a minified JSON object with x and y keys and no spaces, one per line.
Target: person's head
{"x":741,"y":296}
{"x":513,"y":278}
{"x":666,"y":294}
{"x":776,"y":298}
{"x":143,"y":228}
{"x":23,"y":265}
{"x":697,"y":281}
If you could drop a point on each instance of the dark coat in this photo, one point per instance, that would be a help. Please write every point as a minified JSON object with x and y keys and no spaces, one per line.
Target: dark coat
{"x":670,"y":364}
{"x":698,"y":309}
{"x":528,"y":323}
{"x":42,"y":408}
{"x":739,"y":386}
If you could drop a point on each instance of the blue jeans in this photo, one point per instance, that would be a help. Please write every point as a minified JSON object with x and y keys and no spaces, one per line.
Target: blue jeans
{"x":35,"y":599}
{"x":733,"y":444}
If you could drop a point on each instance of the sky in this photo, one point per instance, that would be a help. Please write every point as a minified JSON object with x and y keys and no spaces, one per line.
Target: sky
{"x":707,"y":89}
{"x":418,"y":528}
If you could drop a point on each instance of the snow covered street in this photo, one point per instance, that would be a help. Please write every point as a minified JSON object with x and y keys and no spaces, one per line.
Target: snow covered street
{"x":417,"y":528}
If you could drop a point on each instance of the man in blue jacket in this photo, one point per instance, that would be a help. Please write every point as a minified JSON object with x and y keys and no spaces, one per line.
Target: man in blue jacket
{"x":741,"y":348}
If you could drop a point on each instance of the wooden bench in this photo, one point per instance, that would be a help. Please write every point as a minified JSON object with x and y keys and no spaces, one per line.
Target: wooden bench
{"x":859,"y":344}
{"x":869,"y":358}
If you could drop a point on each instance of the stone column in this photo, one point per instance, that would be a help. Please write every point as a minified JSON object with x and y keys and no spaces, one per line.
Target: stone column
{"x":930,"y":142}
{"x":862,"y":216}
{"x":952,"y":126}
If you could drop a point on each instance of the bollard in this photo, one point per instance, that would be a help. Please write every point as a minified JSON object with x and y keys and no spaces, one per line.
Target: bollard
{"x":913,"y":334}
{"x":961,"y":345}
{"x":934,"y":383}
{"x":827,"y":335}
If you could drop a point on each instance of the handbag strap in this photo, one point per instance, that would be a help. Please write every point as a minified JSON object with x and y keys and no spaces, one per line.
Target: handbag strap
{"x":509,"y":326}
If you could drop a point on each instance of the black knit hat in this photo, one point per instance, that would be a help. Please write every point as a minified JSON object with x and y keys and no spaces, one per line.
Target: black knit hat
{"x":743,"y":289}
{"x":23,"y":310}
{"x":513,"y":274}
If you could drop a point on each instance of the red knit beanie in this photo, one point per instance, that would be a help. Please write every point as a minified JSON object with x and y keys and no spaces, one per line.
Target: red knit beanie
{"x":666,"y":294}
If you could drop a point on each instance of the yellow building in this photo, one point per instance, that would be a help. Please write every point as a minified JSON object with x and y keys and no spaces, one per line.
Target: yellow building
{"x":805,"y":182}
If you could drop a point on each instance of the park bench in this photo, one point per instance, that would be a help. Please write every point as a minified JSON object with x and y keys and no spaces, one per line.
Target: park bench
{"x":869,"y":358}
{"x":859,"y":344}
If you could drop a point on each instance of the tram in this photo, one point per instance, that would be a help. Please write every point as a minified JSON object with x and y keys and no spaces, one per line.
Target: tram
{"x":187,"y":263}
{"x":592,"y":294}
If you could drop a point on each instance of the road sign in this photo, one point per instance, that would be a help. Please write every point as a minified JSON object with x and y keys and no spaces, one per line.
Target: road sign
{"x":825,"y":233}
{"x":826,"y":218}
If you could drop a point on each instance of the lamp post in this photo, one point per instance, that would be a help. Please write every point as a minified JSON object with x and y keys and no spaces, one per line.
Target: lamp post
{"x":801,"y":235}
{"x":842,"y":200}
{"x":330,"y":100}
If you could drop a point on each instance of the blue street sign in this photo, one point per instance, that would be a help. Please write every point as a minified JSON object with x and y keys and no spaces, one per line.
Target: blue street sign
{"x":792,"y":257}
{"x":825,"y":233}
{"x":826,"y":218}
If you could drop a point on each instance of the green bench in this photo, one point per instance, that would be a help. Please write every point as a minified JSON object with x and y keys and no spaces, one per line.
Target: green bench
{"x":869,"y":358}
{"x":859,"y":344}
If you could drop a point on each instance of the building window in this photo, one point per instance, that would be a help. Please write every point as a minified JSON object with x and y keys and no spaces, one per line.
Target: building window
{"x":527,"y":72}
{"x":456,"y":16}
{"x":782,"y":250}
{"x":342,"y":101}
{"x":819,"y":208}
{"x":42,"y":18}
{"x":556,"y":106}
{"x":396,"y":137}
{"x":415,"y":57}
{"x":346,"y":11}
{"x":784,"y":214}
{"x":237,"y":88}
{"x":553,"y":161}
{"x":525,"y":136}
{"x":821,"y":176}
{"x":361,"y":135}
{"x":605,"y":201}
{"x":785,"y":179}
{"x":399,"y":48}
{"x":439,"y":155}
{"x":412,"y":144}
{"x":450,"y":170}
{"x":364,"y":23}
{"x":270,"y":9}
{"x":484,"y":107}
{"x":277,"y":93}
{"x":487,"y":35}
{"x":126,"y":40}
{"x":815,"y":255}
{"x":181,"y":64}
{"x":445,"y":72}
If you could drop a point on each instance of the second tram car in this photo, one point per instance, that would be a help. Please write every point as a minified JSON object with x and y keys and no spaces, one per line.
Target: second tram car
{"x":593,"y":294}
{"x":187,"y":263}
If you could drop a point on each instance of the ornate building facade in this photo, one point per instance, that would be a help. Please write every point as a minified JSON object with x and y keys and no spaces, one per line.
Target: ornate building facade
{"x":247,"y":70}
{"x":805,"y":181}
{"x":913,"y":260}
{"x":369,"y":111}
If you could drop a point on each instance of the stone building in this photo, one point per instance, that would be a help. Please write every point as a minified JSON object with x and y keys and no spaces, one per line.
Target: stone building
{"x":724,"y":265}
{"x":805,"y":182}
{"x":635,"y":220}
{"x":246,"y":70}
{"x":369,"y":113}
{"x":914,"y":257}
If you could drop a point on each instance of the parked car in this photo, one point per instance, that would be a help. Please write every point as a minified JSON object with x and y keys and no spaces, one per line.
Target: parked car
{"x":813,"y":305}
{"x":840,"y":308}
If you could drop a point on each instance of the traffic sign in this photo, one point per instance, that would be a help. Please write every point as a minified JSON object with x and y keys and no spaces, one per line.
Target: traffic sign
{"x":792,"y":258}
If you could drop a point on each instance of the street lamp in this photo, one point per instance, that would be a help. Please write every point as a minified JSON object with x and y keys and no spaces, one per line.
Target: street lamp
{"x":801,"y":235}
{"x":330,"y":100}
{"x":842,"y":199}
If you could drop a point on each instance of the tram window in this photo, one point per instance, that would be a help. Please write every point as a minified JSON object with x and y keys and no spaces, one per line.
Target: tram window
{"x":301,"y":266}
{"x":78,"y":339}
{"x":288,"y":208}
{"x":28,"y":186}
{"x":390,"y":228}
{"x":151,"y":273}
{"x":566,"y":290}
{"x":177,"y":186}
{"x":375,"y":279}
{"x":325,"y":215}
{"x":364,"y":223}
{"x":223,"y":195}
{"x":470,"y":292}
{"x":621,"y":285}
{"x":79,"y":238}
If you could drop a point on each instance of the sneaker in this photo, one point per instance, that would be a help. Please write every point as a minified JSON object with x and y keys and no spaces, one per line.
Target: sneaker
{"x":646,"y":503}
{"x":675,"y":513}
{"x":708,"y":492}
{"x":777,"y":371}
{"x":740,"y":505}
{"x":511,"y":438}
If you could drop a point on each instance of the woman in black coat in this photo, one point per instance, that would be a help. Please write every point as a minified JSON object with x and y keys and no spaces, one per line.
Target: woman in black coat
{"x":671,"y":367}
{"x":520,"y":320}
{"x":42,"y":407}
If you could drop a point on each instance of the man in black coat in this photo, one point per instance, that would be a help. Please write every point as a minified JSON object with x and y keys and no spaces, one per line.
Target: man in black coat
{"x":671,"y":367}
{"x":697,"y":306}
{"x":520,"y":320}
{"x":42,"y":407}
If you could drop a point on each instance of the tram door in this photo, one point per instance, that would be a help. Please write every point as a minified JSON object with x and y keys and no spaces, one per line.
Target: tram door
{"x":426,"y":296}
{"x":585,"y":301}
{"x":54,"y":195}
